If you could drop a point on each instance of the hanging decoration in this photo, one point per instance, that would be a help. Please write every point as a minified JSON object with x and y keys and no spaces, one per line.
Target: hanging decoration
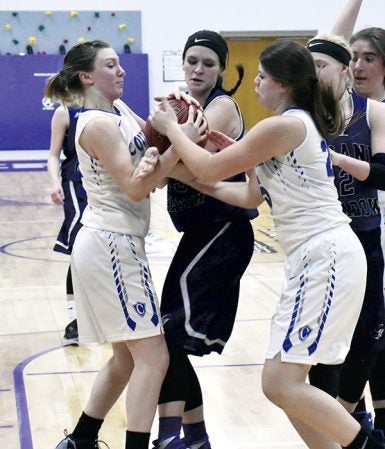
{"x":8,"y":26}
{"x":97,"y":15}
{"x":41,"y":28}
{"x":122,"y":26}
{"x":81,"y":40}
{"x":15,"y":14}
{"x":48,"y":13}
{"x":74,"y":13}
{"x":130,"y":40}
{"x":15,"y":41}
{"x":32,"y":40}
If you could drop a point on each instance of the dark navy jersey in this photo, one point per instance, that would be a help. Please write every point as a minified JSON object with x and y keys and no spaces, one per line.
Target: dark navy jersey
{"x":359,"y":200}
{"x":70,"y":165}
{"x":189,"y":208}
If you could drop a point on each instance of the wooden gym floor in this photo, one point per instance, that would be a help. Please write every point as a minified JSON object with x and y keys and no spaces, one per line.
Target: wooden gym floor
{"x":43,"y":385}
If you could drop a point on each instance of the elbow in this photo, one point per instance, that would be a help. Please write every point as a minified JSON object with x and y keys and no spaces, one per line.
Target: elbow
{"x":205,"y":174}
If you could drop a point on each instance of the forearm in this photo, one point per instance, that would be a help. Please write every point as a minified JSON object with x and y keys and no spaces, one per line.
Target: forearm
{"x":53,"y":168}
{"x":372,"y":173}
{"x":197,"y":160}
{"x":359,"y":169}
{"x":346,"y":21}
{"x":140,"y":185}
{"x":235,"y":193}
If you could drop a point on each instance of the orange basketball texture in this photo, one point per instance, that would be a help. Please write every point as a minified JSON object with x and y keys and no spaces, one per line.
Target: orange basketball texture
{"x":154,"y":138}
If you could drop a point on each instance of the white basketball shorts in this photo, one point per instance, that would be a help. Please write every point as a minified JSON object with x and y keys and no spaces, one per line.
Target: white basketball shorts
{"x":114,"y":293}
{"x":321,"y":299}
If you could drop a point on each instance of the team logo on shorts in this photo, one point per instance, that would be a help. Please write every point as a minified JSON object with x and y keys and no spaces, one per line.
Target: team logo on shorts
{"x":140,"y":308}
{"x":304,"y":332}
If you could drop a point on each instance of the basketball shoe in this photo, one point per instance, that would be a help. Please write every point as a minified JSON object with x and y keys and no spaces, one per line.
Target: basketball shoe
{"x":204,"y":444}
{"x":172,"y":442}
{"x":71,"y":336}
{"x":69,"y":442}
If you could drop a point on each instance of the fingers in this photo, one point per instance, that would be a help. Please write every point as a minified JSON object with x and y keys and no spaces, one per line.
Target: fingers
{"x":152,"y":153}
{"x":189,"y":99}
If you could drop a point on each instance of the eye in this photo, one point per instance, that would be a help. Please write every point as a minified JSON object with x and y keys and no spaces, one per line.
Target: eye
{"x":192,"y":61}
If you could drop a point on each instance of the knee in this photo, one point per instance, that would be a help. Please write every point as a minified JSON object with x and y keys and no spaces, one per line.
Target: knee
{"x":270,"y":392}
{"x":164,"y":361}
{"x":160,"y":359}
{"x":272,"y":388}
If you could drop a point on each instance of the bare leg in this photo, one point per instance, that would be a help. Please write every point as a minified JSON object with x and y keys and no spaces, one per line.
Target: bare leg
{"x":193,"y":416}
{"x":285,"y":385}
{"x":174,"y":408}
{"x":349,"y":406}
{"x":150,"y":357}
{"x":312,"y":438}
{"x":110,"y":382}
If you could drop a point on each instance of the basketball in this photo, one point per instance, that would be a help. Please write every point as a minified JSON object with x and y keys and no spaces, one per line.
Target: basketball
{"x":154,"y":138}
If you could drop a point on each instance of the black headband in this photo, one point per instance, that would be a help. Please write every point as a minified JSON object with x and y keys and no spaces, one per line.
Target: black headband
{"x":332,"y":49}
{"x":211,"y":40}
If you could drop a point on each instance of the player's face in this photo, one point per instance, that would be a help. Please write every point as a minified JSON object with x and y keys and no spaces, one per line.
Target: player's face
{"x":202,"y":69}
{"x":330,"y":71}
{"x":107,"y":76}
{"x":368,"y":70}
{"x":268,"y":91}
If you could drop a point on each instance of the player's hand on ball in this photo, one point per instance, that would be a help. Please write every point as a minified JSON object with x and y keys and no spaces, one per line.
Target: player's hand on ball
{"x":196,"y":125}
{"x":162,"y":117}
{"x":181,"y":95}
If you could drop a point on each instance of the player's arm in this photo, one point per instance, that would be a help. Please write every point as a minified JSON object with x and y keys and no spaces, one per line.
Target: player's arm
{"x":59,"y":126}
{"x":222,"y":115}
{"x":346,"y":21}
{"x":101,"y":138}
{"x":245,"y":194}
{"x":372,"y":172}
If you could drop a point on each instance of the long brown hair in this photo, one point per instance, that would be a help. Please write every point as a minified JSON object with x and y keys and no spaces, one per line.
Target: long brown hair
{"x":292,"y":65}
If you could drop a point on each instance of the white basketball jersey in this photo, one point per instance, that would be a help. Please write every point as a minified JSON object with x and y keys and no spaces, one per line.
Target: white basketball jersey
{"x":108,"y":207}
{"x":299,"y":188}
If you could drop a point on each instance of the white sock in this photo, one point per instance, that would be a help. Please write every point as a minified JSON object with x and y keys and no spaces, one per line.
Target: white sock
{"x":71,"y":310}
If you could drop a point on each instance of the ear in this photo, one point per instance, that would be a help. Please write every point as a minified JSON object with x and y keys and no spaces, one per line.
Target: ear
{"x":345,"y":69}
{"x":85,"y":78}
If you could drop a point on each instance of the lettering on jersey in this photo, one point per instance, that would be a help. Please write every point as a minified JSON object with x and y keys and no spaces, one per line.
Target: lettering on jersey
{"x":363,"y":207}
{"x":140,"y":144}
{"x":304,"y":332}
{"x":140,"y":308}
{"x":185,"y":201}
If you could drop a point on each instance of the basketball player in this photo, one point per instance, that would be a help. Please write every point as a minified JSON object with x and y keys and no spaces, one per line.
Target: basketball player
{"x":217,"y":238}
{"x":359,"y":169}
{"x":67,"y":191}
{"x":115,"y":296}
{"x":325,"y":269}
{"x":368,"y":70}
